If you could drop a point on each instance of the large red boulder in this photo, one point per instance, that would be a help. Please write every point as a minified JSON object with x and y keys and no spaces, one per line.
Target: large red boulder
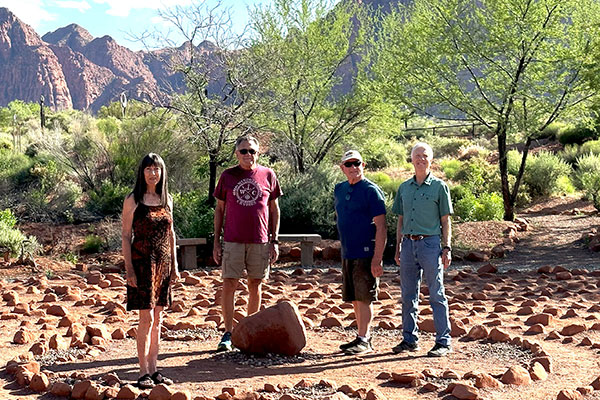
{"x":278,"y":329}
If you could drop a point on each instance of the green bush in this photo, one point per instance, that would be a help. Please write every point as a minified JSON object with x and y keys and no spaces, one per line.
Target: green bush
{"x":450,"y":167}
{"x":486,"y":207}
{"x":542,"y":173}
{"x":12,"y":240}
{"x":14,"y":168}
{"x":587,"y":177}
{"x":458,"y":192}
{"x":307,"y":205}
{"x":513,"y":161}
{"x":489,"y":207}
{"x":552,"y":131}
{"x":7,"y":218}
{"x":476,"y":175}
{"x":385,"y":182}
{"x":108,"y":200}
{"x":592,"y":146}
{"x":192,"y":215}
{"x":570,"y":154}
{"x":577,"y":135}
{"x":382,"y":152}
{"x":446,"y":146}
{"x":92,"y":244}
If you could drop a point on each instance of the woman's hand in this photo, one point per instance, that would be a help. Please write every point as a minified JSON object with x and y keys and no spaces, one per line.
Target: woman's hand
{"x":131,"y":280}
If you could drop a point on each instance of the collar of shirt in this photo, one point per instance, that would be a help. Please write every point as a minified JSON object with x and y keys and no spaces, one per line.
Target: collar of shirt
{"x":427,"y":180}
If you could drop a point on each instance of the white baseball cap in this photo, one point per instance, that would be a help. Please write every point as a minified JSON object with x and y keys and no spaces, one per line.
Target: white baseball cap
{"x":352,"y":155}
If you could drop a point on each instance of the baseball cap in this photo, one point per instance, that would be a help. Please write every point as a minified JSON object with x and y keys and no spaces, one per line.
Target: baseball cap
{"x":352,"y":155}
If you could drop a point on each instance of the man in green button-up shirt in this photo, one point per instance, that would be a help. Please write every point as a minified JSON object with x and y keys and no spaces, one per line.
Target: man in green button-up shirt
{"x":423,"y":237}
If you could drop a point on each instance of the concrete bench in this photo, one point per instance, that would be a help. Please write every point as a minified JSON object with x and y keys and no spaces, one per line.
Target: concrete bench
{"x":307,"y":244}
{"x":188,"y":251}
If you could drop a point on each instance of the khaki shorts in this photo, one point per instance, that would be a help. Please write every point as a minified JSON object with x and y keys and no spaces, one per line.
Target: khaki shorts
{"x":358,"y":283}
{"x":252,"y":257}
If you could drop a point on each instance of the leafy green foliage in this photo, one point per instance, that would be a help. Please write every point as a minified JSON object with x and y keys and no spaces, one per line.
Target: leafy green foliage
{"x":486,"y":207}
{"x":587,"y":177}
{"x":542,"y":173}
{"x":308,"y":205}
{"x":108,"y":200}
{"x":450,"y":167}
{"x":92,"y":244}
{"x":382,"y":152}
{"x":7,"y":218}
{"x":592,"y":146}
{"x":12,"y":240}
{"x":577,"y":135}
{"x":385,"y":182}
{"x":192,"y":215}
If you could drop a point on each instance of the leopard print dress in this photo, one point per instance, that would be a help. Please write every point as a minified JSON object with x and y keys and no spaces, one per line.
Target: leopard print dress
{"x":151,"y":258}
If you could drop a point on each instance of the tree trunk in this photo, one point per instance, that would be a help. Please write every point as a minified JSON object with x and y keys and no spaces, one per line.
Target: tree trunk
{"x":212,"y":179}
{"x":509,"y":212}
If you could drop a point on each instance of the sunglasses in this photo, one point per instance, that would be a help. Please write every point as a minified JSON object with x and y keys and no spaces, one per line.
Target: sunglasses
{"x":246,"y":151}
{"x":356,"y":163}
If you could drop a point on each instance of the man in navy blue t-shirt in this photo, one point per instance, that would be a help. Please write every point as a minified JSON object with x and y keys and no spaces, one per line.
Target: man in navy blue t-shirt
{"x":360,"y":210}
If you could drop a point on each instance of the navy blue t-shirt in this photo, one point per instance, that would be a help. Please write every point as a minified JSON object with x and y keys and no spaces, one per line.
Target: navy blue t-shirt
{"x":356,"y":206}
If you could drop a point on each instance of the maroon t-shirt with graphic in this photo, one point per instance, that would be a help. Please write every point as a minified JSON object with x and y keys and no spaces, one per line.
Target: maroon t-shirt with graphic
{"x":247,"y":194}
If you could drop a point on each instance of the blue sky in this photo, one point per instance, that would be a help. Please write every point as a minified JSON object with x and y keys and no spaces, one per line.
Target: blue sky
{"x":117,"y":18}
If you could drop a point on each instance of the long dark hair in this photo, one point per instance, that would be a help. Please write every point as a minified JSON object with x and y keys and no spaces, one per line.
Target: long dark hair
{"x":151,"y":159}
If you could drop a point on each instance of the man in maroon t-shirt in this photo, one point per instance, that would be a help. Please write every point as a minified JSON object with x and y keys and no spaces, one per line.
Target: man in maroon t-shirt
{"x":247,"y":199}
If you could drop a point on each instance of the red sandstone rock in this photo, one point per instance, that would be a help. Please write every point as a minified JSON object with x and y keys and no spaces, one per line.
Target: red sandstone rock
{"x":23,"y":336}
{"x":569,"y":394}
{"x":487,"y":269}
{"x":181,"y":395}
{"x":61,"y":389}
{"x":277,"y":329}
{"x":498,"y":335}
{"x":375,"y":394}
{"x":406,"y":376}
{"x":80,"y":388}
{"x":538,"y":372}
{"x":478,"y":332}
{"x":486,"y":381}
{"x":39,"y":383}
{"x":128,"y":392}
{"x":572,"y":329}
{"x":161,"y":392}
{"x":330,"y":322}
{"x":516,"y":375}
{"x":463,"y":391}
{"x":57,"y":310}
{"x":543,"y":319}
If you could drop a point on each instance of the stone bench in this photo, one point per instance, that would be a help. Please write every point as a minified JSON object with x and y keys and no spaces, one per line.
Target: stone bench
{"x":188,"y":251}
{"x":307,"y":244}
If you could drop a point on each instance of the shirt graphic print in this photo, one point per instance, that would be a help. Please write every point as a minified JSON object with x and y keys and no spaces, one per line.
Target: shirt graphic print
{"x":247,"y":192}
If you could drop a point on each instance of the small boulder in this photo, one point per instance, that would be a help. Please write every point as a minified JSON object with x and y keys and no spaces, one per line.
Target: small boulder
{"x":486,"y":381}
{"x":516,"y":375}
{"x":572,"y":329}
{"x":463,"y":391}
{"x":161,"y":392}
{"x":569,"y":394}
{"x":278,"y":329}
{"x":39,"y":383}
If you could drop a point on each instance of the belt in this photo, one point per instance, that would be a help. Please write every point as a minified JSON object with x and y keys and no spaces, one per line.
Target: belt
{"x":416,"y":237}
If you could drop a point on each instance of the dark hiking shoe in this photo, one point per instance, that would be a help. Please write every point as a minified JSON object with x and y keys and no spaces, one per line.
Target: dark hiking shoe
{"x":225,"y":343}
{"x":405,"y":346}
{"x":362,"y":347}
{"x":345,"y":346}
{"x":439,"y":350}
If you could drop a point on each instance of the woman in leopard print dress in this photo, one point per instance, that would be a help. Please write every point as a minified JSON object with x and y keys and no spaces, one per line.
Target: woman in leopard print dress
{"x":150,"y":260}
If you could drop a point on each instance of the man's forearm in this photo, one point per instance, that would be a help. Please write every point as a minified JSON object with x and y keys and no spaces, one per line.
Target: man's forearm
{"x":446,"y":231}
{"x":380,"y":237}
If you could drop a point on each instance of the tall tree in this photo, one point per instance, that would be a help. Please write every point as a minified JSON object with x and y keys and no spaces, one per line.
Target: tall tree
{"x":309,"y":48}
{"x":515,"y":66}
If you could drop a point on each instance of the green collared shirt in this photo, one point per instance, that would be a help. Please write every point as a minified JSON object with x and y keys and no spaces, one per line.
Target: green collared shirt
{"x":422,"y":206}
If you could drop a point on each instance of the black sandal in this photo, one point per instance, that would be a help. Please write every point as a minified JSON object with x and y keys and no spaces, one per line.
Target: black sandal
{"x":158,"y":378}
{"x":145,"y":382}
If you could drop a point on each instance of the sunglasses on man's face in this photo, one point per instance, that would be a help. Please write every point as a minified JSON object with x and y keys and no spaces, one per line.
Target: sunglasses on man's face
{"x":356,"y":163}
{"x":246,"y":151}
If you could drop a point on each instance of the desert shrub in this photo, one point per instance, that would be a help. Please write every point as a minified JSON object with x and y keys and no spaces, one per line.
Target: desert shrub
{"x":14,"y":168}
{"x":486,"y":207}
{"x":577,"y":135}
{"x":471,"y":151}
{"x":382,"y":152}
{"x":476,"y":174}
{"x":552,"y":131}
{"x":592,"y":146}
{"x":450,"y":167}
{"x":564,"y":185}
{"x":92,"y":244}
{"x":307,"y":205}
{"x":192,"y":215}
{"x":542,"y":173}
{"x":108,"y":199}
{"x":513,"y":160}
{"x":570,"y":153}
{"x":385,"y":182}
{"x":489,"y":207}
{"x":587,"y":177}
{"x":444,"y":146}
{"x":12,"y":240}
{"x":458,"y":192}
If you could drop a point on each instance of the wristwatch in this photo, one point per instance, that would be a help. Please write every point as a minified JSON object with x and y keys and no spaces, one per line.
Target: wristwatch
{"x":447,"y":248}
{"x":274,"y":241}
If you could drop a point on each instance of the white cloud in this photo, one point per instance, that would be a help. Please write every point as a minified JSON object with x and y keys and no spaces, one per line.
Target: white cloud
{"x":32,"y":12}
{"x":81,"y":6}
{"x":121,"y":8}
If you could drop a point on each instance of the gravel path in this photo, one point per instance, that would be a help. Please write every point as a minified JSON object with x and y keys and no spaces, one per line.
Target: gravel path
{"x":555,"y":238}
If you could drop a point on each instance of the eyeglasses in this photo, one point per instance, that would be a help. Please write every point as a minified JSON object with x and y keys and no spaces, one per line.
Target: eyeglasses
{"x":246,"y":151}
{"x":350,"y":190}
{"x":356,"y":163}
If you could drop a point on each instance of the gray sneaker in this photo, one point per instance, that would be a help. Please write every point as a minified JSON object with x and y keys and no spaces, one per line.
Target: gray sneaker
{"x":362,"y":347}
{"x":439,"y":350}
{"x":354,"y":342}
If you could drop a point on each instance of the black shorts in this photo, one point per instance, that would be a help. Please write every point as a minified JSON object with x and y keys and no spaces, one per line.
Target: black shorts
{"x":358,"y":283}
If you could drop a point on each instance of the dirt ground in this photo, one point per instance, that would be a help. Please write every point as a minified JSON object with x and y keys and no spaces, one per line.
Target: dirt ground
{"x":503,"y":300}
